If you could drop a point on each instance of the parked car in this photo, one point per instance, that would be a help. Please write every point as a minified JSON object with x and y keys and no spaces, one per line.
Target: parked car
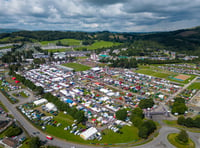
{"x":49,"y":137}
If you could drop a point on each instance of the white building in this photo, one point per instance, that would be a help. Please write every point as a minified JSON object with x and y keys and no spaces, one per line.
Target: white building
{"x":89,"y":133}
{"x":50,"y":107}
{"x":40,"y":102}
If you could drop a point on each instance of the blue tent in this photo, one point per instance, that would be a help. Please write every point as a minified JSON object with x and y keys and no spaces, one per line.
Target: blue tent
{"x":69,"y":101}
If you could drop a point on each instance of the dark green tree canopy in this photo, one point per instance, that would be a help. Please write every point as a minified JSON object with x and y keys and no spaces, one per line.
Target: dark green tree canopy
{"x":146,"y":103}
{"x":121,"y":114}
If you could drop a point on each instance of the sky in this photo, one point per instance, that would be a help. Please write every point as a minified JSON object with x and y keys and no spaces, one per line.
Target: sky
{"x":100,"y":15}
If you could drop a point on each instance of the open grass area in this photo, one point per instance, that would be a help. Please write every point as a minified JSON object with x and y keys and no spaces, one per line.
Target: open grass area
{"x":25,"y":144}
{"x":174,"y":141}
{"x":56,"y":50}
{"x":153,"y":73}
{"x":23,"y":94}
{"x":63,"y":41}
{"x":99,"y":44}
{"x":157,"y":72}
{"x":5,"y":47}
{"x":195,"y":85}
{"x":76,"y":66}
{"x":130,"y":133}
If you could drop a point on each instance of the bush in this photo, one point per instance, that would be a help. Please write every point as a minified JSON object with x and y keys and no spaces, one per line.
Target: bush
{"x":146,"y":128}
{"x":13,"y":131}
{"x":183,"y":136}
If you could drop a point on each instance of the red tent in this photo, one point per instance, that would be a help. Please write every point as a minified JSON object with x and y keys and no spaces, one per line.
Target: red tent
{"x":14,"y":78}
{"x":17,"y":81}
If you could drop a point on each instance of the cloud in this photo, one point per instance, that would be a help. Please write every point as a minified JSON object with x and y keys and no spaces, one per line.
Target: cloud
{"x":98,"y":15}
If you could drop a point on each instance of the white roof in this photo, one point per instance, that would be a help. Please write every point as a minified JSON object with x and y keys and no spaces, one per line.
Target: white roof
{"x":88,"y":133}
{"x":41,"y":101}
{"x":51,"y":106}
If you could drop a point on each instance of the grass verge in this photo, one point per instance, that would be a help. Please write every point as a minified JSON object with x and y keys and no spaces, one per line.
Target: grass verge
{"x":174,"y":141}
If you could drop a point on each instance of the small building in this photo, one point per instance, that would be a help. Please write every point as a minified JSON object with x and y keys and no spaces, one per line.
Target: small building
{"x":40,"y":102}
{"x":51,"y":107}
{"x":9,"y":143}
{"x":89,"y":133}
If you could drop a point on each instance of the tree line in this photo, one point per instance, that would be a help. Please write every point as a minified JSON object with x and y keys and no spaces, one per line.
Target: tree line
{"x":189,"y":122}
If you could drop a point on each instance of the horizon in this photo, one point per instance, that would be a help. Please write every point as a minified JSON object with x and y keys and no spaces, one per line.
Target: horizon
{"x":92,"y":15}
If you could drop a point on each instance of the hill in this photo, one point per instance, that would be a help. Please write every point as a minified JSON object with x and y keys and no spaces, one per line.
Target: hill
{"x":2,"y":30}
{"x":185,"y":40}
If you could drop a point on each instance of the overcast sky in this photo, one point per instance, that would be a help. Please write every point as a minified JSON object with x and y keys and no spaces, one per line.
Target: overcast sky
{"x":99,"y":15}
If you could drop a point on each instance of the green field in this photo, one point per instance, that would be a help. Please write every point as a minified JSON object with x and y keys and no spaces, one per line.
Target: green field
{"x":153,"y":73}
{"x":57,"y":50}
{"x":5,"y":47}
{"x":76,"y":66}
{"x":99,"y":44}
{"x":157,"y":72}
{"x":174,"y":141}
{"x":195,"y":85}
{"x":63,"y":41}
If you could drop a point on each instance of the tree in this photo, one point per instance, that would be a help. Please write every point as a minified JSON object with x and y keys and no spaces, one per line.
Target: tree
{"x":121,"y":114}
{"x":196,"y":122}
{"x":179,"y":108}
{"x":13,"y":131}
{"x":146,"y":128}
{"x":189,"y":122}
{"x":183,"y":136}
{"x":34,"y":142}
{"x":143,"y":132}
{"x":137,"y":112}
{"x":181,"y":120}
{"x":136,"y":121}
{"x":146,"y":103}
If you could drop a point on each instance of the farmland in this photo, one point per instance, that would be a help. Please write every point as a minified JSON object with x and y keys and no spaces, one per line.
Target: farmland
{"x":99,"y":44}
{"x":57,"y":50}
{"x":69,"y":42}
{"x":76,"y":66}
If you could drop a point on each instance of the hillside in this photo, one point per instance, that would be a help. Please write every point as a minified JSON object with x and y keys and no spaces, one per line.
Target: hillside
{"x":2,"y":30}
{"x":185,"y":40}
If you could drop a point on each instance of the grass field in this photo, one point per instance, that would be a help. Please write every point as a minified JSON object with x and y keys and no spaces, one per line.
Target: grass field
{"x":63,"y":41}
{"x":76,"y":66}
{"x":153,"y":73}
{"x":56,"y":50}
{"x":99,"y":44}
{"x":195,"y":85}
{"x":5,"y":47}
{"x":174,"y":141}
{"x":157,"y":72}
